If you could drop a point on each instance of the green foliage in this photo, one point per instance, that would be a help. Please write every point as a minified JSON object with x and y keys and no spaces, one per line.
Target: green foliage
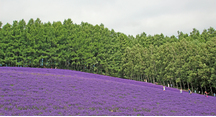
{"x":187,"y":61}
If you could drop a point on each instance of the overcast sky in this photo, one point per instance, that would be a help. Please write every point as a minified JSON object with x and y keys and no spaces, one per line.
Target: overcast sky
{"x":130,"y":17}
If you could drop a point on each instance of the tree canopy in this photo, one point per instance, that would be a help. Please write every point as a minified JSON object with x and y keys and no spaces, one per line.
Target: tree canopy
{"x":186,"y":61}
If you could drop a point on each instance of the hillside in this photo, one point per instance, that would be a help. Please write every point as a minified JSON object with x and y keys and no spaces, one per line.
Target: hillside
{"x":41,"y":91}
{"x":185,"y":60}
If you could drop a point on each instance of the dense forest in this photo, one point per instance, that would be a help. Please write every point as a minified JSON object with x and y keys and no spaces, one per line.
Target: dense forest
{"x":186,"y":61}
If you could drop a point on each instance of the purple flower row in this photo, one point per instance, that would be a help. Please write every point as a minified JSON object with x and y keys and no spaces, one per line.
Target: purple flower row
{"x":37,"y":91}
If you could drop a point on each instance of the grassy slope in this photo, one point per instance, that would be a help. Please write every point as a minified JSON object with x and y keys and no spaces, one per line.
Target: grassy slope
{"x":37,"y":91}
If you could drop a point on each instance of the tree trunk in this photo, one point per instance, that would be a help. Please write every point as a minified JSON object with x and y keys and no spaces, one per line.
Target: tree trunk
{"x":83,"y":68}
{"x":152,"y":79}
{"x":75,"y":66}
{"x":205,"y":88}
{"x":159,"y":81}
{"x":201,"y":89}
{"x":67,"y":64}
{"x":188,"y":85}
{"x":192,"y":87}
{"x":211,"y":88}
{"x":141,"y":77}
{"x":184,"y":85}
{"x":101,"y":69}
{"x":173,"y":83}
{"x":155,"y":70}
{"x":51,"y":62}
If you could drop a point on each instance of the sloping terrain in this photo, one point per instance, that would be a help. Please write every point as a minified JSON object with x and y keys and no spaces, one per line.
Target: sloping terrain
{"x":37,"y":91}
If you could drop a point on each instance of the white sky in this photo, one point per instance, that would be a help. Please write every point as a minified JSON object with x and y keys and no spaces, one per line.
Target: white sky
{"x":130,"y":17}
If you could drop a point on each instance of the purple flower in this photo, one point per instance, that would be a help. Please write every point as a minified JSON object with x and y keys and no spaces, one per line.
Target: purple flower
{"x":37,"y":91}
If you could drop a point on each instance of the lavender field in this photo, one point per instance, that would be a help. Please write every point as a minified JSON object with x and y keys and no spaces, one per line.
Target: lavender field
{"x":37,"y":91}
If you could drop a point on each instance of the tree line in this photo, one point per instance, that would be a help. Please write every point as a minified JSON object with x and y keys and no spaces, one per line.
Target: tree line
{"x":186,"y":61}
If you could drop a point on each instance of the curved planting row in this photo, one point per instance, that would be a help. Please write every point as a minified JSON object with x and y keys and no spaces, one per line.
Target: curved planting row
{"x":37,"y":91}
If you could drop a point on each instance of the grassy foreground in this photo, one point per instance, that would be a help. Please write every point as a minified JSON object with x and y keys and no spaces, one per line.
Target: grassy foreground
{"x":39,"y":91}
